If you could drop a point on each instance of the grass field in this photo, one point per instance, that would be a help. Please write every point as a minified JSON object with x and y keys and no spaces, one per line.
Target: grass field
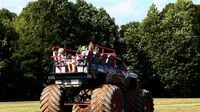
{"x":26,"y":106}
{"x":177,"y":105}
{"x":161,"y":105}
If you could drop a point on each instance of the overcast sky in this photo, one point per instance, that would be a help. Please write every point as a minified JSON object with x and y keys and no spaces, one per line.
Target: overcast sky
{"x":123,"y":11}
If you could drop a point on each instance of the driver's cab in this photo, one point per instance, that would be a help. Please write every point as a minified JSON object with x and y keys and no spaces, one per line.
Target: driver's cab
{"x":119,"y":64}
{"x":122,"y":69}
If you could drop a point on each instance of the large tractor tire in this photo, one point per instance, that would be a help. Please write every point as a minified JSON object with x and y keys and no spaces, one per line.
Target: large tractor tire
{"x":107,"y":98}
{"x":134,"y":101}
{"x":51,"y":99}
{"x":149,"y":106}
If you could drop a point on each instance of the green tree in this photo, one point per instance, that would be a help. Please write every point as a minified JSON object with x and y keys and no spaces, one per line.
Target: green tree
{"x":150,"y":29}
{"x":179,"y":59}
{"x":137,"y":59}
{"x":168,"y":41}
{"x":6,"y":15}
{"x":8,"y":38}
{"x":151,"y":45}
{"x":136,"y":56}
{"x":96,"y":25}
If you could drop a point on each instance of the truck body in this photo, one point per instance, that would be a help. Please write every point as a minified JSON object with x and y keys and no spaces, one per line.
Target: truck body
{"x":79,"y":77}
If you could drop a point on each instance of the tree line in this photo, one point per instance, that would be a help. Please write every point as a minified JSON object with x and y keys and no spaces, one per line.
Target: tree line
{"x":163,"y":49}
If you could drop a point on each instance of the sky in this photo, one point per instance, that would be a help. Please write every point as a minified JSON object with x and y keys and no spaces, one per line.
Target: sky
{"x":124,"y":11}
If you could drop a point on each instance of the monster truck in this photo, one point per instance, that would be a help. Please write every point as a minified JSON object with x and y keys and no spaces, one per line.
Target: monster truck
{"x":92,"y":80}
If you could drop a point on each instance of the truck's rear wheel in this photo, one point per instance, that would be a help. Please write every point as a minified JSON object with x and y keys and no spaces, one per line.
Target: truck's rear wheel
{"x":134,"y":101}
{"x":107,"y":98}
{"x":51,"y":99}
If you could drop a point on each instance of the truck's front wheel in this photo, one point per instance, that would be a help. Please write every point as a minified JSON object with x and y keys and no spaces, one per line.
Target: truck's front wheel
{"x":51,"y":99}
{"x":107,"y":98}
{"x":134,"y":101}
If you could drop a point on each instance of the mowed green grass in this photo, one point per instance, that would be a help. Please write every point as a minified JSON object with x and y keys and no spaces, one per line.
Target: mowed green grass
{"x":160,"y":105}
{"x":177,"y":105}
{"x":21,"y":106}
